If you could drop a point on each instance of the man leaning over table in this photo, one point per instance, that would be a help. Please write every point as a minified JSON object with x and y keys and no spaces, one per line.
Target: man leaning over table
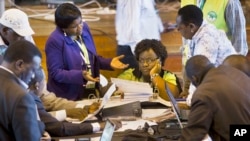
{"x":19,"y":120}
{"x":59,"y":107}
{"x":220,"y":100}
{"x":63,"y":128}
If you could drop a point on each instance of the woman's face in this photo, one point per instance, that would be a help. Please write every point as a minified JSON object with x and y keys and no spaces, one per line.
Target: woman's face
{"x":75,"y":28}
{"x":147,"y":60}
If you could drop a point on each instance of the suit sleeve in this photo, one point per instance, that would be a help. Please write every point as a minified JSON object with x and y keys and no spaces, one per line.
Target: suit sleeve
{"x":57,"y":128}
{"x":26,"y":125}
{"x":53,"y":103}
{"x":199,"y":120}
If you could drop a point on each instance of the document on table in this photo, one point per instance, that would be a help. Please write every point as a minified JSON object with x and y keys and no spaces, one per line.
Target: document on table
{"x":128,"y":86}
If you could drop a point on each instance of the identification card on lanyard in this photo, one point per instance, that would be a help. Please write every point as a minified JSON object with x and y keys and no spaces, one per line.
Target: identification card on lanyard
{"x":85,"y":57}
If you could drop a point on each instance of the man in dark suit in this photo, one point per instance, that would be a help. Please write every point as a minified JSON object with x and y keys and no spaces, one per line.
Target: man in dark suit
{"x":220,"y":100}
{"x":19,"y":120}
{"x":58,"y":128}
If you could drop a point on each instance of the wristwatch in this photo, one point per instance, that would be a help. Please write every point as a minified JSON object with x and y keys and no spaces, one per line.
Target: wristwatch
{"x":153,"y":76}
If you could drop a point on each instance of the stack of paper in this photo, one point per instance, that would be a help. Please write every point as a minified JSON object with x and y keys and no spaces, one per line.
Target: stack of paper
{"x":133,"y":90}
{"x":128,"y":86}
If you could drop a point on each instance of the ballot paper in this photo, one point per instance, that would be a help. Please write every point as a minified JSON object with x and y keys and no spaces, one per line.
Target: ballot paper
{"x":104,"y":100}
{"x":128,"y":86}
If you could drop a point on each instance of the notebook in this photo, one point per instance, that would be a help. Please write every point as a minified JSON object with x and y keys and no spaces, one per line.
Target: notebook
{"x":108,"y":131}
{"x":175,"y":108}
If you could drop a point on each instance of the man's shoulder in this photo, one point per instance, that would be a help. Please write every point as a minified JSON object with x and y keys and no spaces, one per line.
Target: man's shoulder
{"x":10,"y":84}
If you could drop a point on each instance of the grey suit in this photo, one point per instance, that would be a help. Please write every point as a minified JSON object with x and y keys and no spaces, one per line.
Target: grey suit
{"x":18,"y":120}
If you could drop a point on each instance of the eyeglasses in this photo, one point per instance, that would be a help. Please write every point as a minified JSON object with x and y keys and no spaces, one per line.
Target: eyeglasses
{"x":148,"y":61}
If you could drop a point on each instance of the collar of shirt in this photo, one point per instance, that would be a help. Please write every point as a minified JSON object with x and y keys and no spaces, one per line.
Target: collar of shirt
{"x":21,"y":81}
{"x":204,"y":23}
{"x":2,"y":42}
{"x":3,"y":46}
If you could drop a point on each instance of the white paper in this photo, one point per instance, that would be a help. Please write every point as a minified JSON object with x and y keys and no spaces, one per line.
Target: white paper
{"x":164,"y":102}
{"x":150,"y":113}
{"x":103,"y":80}
{"x":128,"y":86}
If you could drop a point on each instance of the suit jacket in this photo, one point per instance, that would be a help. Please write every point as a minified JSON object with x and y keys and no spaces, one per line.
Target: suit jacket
{"x":53,"y":103}
{"x":65,"y":63}
{"x":57,"y":128}
{"x":18,"y":120}
{"x":220,"y":100}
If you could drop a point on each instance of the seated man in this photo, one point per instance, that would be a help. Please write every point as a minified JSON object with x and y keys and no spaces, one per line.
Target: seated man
{"x":52,"y":103}
{"x":57,"y":128}
{"x":220,"y":93}
{"x":240,"y":62}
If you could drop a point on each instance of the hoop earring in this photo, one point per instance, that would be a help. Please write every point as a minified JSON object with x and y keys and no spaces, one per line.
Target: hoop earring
{"x":65,"y":34}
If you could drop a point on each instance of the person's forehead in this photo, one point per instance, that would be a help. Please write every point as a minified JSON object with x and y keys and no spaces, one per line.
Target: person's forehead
{"x":178,"y":20}
{"x":147,"y":53}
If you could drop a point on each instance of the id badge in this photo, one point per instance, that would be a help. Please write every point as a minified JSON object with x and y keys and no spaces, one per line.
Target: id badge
{"x":90,"y":85}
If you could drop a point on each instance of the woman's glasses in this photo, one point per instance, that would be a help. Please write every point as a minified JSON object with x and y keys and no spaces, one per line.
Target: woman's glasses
{"x":147,"y":61}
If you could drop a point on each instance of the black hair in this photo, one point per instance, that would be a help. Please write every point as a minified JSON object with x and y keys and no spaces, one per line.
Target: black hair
{"x":65,"y":14}
{"x":155,"y":45}
{"x":147,"y":44}
{"x":198,"y":66}
{"x":21,"y":49}
{"x":191,"y":14}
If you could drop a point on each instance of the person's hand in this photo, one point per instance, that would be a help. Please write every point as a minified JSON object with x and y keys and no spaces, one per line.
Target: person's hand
{"x":45,"y":137}
{"x":117,"y":64}
{"x":93,"y":107}
{"x":87,"y":76}
{"x":120,"y":93}
{"x":117,"y":123}
{"x":102,"y":125}
{"x":156,"y":68}
{"x":183,"y":105}
{"x":183,"y":94}
{"x":77,"y":113}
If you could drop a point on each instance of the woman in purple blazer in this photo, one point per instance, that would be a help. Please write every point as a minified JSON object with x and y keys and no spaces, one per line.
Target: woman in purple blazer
{"x":72,"y":62}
